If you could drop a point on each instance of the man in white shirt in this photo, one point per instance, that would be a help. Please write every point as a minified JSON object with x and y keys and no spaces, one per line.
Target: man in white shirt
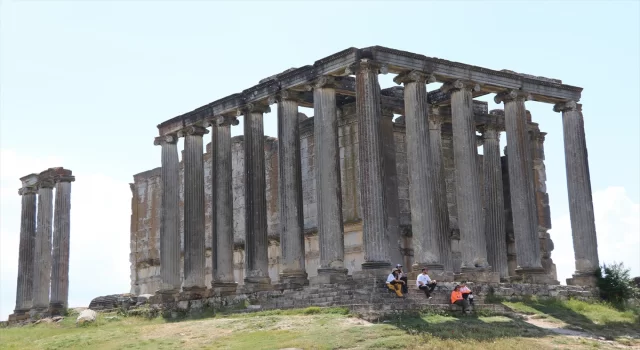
{"x":425,"y":284}
{"x":394,"y":283}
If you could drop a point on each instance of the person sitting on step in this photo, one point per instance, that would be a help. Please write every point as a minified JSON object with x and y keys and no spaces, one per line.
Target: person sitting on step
{"x":394,"y":283}
{"x":425,"y":284}
{"x":403,"y":277}
{"x":467,"y":294}
{"x":457,"y":299}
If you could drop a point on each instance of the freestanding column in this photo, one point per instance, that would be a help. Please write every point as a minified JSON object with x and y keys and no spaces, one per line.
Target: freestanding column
{"x":585,"y":243}
{"x":495,"y":229}
{"x":525,"y":223}
{"x":372,"y":201}
{"x":427,"y":224}
{"x":328,"y":187}
{"x":42,"y":266}
{"x":170,"y":218}
{"x":470,"y":219}
{"x":435,"y":140}
{"x":256,"y":243}
{"x":61,"y":235}
{"x":392,"y":207}
{"x":290,"y":192}
{"x":194,"y":242}
{"x":24,"y":288}
{"x":222,"y":208}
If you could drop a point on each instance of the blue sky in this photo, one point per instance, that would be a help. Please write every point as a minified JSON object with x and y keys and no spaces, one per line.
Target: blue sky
{"x":84,"y":84}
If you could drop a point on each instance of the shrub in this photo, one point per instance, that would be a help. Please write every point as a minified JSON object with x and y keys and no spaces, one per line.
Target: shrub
{"x":615,"y":284}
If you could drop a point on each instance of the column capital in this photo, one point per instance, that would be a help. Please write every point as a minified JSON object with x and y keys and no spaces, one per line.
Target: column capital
{"x":46,"y":181}
{"x":367,"y":65}
{"x":512,"y":95}
{"x":459,"y":85}
{"x":285,"y":95}
{"x":255,"y":107}
{"x":387,"y":112}
{"x":400,"y":121}
{"x":193,"y":130}
{"x":62,"y":175}
{"x":322,"y":82}
{"x":28,"y":190}
{"x":567,"y":106}
{"x":414,"y":76}
{"x":223,"y":120}
{"x":490,"y":131}
{"x":170,"y":138}
{"x":435,"y":121}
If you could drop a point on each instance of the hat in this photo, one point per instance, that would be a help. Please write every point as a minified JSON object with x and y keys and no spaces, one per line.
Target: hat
{"x":398,"y":265}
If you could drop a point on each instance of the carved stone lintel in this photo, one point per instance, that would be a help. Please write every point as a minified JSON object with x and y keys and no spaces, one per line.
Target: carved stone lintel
{"x":165,"y":139}
{"x":512,"y":95}
{"x":64,"y":178}
{"x":224,"y":120}
{"x":459,"y":85}
{"x":566,"y":106}
{"x":193,"y":130}
{"x":414,"y":76}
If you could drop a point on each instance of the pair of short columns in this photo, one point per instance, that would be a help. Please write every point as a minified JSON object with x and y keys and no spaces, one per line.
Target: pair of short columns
{"x":43,"y":258}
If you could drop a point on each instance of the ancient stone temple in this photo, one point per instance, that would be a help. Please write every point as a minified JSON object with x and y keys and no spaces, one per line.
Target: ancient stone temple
{"x":43,"y":258}
{"x":376,"y":177}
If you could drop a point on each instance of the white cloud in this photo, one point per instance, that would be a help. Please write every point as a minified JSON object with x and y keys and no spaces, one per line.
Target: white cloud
{"x":617,"y":225}
{"x":100,"y":214}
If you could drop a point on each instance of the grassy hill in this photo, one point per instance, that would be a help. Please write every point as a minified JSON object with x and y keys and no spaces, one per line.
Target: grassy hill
{"x":537,"y":325}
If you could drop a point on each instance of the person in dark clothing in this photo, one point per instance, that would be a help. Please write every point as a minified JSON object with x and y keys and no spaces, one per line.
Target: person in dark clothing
{"x":403,"y":277}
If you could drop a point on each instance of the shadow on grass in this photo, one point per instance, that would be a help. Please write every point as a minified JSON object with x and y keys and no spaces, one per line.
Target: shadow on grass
{"x":604,"y":320}
{"x":466,"y":327}
{"x":233,"y":313}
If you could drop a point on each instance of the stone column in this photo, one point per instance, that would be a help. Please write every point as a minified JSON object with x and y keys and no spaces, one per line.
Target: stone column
{"x":437,"y":163}
{"x":194,"y":237}
{"x":328,"y":186}
{"x":223,"y":281}
{"x":521,"y":187}
{"x":256,"y":243}
{"x":427,"y":223}
{"x":372,"y":201}
{"x":495,"y":229}
{"x":392,"y":206}
{"x":61,"y":235}
{"x":448,"y":160}
{"x":170,"y":215}
{"x":24,"y":291}
{"x":585,"y":242}
{"x":292,"y":258}
{"x":468,"y":196}
{"x":42,"y":262}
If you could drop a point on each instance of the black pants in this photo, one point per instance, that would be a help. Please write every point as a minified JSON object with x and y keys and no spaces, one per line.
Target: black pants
{"x":463,"y":303}
{"x":428,"y":289}
{"x":465,"y":296}
{"x":405,"y":288}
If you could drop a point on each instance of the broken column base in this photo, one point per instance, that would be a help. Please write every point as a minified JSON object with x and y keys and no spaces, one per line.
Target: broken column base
{"x":223,"y":288}
{"x":39,"y":312}
{"x":257,"y":284}
{"x":18,"y":315}
{"x":330,"y":276}
{"x":57,"y":309}
{"x":164,"y":296}
{"x":293,"y":279}
{"x":587,"y":280}
{"x":477,"y":275}
{"x":192,"y":293}
{"x":531,"y":275}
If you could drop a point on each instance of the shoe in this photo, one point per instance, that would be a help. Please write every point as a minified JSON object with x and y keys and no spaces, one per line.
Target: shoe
{"x":430,"y":297}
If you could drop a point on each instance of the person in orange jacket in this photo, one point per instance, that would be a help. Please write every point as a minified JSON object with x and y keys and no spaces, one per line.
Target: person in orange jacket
{"x":457,"y":299}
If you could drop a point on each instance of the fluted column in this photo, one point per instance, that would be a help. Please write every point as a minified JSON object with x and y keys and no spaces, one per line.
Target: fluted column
{"x":495,"y":229}
{"x":427,"y":225}
{"x":256,"y":242}
{"x":392,"y":206}
{"x":24,"y":288}
{"x":328,"y":186}
{"x":223,"y":280}
{"x":372,"y":194}
{"x":61,"y":236}
{"x":521,"y":183}
{"x":292,"y":258}
{"x":170,"y":214}
{"x":42,"y":266}
{"x":194,"y":237}
{"x":442,"y":210}
{"x":470,"y":220}
{"x":583,"y":228}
